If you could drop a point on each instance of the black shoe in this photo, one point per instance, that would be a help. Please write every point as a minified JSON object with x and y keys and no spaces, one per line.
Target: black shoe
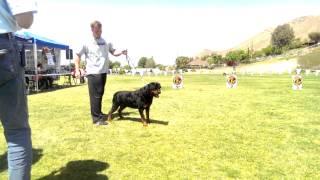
{"x":103,"y":116}
{"x":101,"y":123}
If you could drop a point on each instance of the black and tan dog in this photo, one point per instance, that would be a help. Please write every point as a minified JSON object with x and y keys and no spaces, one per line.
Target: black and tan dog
{"x":297,"y":82}
{"x":140,"y":99}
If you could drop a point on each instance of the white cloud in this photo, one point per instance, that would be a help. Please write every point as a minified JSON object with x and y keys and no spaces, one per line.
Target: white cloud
{"x":161,"y":32}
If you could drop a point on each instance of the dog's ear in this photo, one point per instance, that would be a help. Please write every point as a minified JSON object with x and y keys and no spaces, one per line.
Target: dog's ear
{"x":155,"y":85}
{"x":147,"y":88}
{"x":158,"y":86}
{"x":152,"y":86}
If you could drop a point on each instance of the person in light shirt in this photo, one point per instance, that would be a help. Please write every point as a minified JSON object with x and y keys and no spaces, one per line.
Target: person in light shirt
{"x":15,"y":15}
{"x":96,"y":52}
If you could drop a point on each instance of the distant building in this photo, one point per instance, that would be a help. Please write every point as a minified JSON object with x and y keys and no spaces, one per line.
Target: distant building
{"x":197,"y":64}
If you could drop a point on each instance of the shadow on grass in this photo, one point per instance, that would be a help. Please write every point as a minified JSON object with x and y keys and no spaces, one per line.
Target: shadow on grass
{"x":115,"y":117}
{"x":139,"y":120}
{"x":55,"y":88}
{"x":36,"y":153}
{"x":79,"y":170}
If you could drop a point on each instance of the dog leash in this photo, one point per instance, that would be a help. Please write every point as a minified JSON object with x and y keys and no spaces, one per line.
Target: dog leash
{"x":130,"y":64}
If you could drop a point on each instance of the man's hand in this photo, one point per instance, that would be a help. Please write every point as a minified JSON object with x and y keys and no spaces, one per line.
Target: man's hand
{"x":125,"y":52}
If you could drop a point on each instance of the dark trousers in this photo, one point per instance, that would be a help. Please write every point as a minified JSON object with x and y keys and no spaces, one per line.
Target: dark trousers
{"x":96,"y":83}
{"x":45,"y":82}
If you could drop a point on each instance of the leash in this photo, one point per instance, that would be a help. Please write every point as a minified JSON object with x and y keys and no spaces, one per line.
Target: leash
{"x":130,"y":64}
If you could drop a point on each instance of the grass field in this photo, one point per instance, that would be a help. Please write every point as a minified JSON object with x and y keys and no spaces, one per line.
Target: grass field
{"x":261,"y":130}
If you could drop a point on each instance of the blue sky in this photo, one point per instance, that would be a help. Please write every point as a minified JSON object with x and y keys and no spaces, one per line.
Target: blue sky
{"x":166,"y":29}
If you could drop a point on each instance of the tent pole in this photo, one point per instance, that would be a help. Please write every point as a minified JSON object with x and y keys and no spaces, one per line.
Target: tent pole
{"x":35,"y":56}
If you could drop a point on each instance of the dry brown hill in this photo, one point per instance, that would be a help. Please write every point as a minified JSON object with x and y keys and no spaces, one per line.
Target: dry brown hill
{"x":302,"y":26}
{"x":204,"y":52}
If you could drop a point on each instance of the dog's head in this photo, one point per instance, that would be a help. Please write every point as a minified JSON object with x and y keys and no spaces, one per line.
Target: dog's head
{"x":177,"y":79}
{"x":297,"y":80}
{"x":232,"y":79}
{"x":154,"y":88}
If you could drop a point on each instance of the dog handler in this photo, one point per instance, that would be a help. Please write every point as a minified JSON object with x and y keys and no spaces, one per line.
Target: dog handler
{"x":13,"y":100}
{"x":96,"y":52}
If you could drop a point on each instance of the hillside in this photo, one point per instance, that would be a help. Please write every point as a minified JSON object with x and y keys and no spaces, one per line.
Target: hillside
{"x":205,"y":52}
{"x":302,"y":26}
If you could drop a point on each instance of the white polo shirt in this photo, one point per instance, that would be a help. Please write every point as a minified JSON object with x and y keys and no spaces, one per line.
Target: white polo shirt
{"x":96,"y":52}
{"x":8,"y":8}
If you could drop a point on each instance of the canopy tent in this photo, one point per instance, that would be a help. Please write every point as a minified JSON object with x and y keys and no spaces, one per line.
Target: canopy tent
{"x":38,"y":42}
{"x":29,"y":37}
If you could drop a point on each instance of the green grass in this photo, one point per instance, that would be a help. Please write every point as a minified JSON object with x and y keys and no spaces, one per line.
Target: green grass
{"x":260,"y":130}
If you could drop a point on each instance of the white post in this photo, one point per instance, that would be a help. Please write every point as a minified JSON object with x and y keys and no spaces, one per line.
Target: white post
{"x":35,"y":56}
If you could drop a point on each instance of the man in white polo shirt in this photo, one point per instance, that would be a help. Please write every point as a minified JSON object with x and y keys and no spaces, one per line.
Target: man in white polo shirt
{"x":14,"y":15}
{"x":96,"y":52}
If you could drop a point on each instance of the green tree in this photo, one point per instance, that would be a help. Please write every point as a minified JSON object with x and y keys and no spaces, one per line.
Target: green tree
{"x":314,"y":37}
{"x":296,"y":43}
{"x":150,"y":63}
{"x":127,"y":67}
{"x":213,"y":59}
{"x":282,"y":36}
{"x":267,"y":50}
{"x":210,"y":60}
{"x":237,"y":56}
{"x":182,"y":61}
{"x":161,"y":67}
{"x":271,"y":50}
{"x":142,"y":62}
{"x":116,"y":64}
{"x":217,"y":59}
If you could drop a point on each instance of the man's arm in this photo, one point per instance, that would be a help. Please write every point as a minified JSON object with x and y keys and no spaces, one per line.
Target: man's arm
{"x":77,"y":65}
{"x":114,"y":53}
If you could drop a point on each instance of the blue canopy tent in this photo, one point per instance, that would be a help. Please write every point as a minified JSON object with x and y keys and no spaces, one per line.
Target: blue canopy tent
{"x":28,"y":38}
{"x":38,"y":40}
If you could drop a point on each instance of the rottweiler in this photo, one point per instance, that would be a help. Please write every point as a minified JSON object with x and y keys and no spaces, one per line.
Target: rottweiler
{"x":140,"y":99}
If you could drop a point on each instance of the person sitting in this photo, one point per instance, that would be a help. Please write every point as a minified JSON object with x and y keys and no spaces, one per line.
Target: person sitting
{"x":44,"y":82}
